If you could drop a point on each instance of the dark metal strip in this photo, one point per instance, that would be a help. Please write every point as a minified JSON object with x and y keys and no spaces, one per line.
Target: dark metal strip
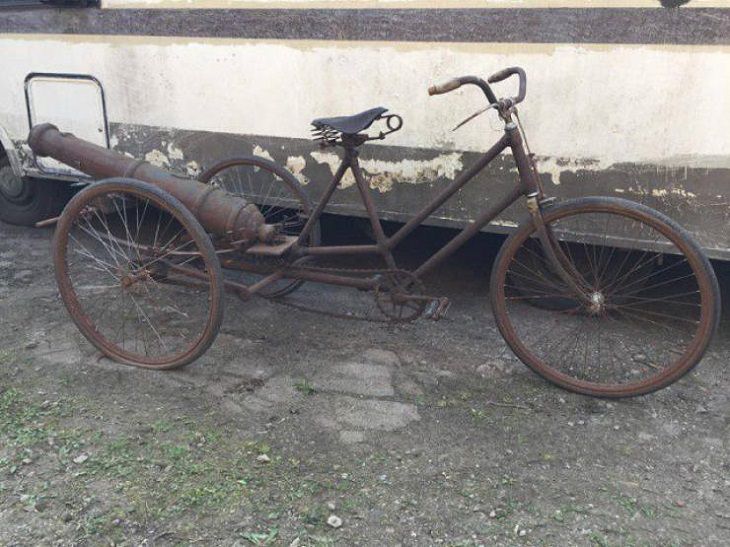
{"x":697,"y":196}
{"x":710,"y":26}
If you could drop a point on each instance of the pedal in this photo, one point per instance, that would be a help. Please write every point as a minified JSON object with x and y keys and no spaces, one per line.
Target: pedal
{"x":277,"y":248}
{"x":438,"y":308}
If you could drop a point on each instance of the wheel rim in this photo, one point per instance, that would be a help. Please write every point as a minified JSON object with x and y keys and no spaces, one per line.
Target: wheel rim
{"x":122,"y":264}
{"x":648,"y":315}
{"x":281,"y":202}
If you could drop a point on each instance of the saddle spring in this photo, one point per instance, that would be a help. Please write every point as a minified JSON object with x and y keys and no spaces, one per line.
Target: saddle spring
{"x":325,"y":135}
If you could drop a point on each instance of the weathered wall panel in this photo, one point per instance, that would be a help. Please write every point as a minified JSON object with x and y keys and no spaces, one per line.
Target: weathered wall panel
{"x":624,"y":98}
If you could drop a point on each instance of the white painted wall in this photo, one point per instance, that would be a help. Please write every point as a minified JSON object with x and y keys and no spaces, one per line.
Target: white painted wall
{"x":661,"y":104}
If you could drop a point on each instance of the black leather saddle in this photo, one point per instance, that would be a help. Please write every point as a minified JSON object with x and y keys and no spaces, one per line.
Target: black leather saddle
{"x":350,"y":125}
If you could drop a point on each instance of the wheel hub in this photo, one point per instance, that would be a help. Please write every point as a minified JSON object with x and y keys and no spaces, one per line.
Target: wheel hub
{"x":11,"y":185}
{"x":131,"y":278}
{"x":598,"y":302}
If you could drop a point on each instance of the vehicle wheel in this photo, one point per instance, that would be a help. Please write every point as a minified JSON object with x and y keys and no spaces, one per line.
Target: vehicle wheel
{"x":638,"y":333}
{"x":281,"y":200}
{"x":138,"y":274}
{"x":25,"y":201}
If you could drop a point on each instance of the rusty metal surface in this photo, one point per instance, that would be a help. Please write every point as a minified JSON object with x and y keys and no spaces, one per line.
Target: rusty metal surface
{"x":218,"y":211}
{"x":112,"y":266}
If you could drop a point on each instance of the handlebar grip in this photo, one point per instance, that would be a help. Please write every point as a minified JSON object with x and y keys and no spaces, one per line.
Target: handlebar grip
{"x":502,"y":74}
{"x":445,"y":87}
{"x":506,"y":73}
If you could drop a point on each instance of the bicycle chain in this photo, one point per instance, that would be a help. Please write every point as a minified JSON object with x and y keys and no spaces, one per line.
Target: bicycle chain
{"x":325,"y":269}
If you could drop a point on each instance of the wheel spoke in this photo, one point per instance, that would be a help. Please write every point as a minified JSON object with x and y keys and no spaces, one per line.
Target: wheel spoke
{"x":281,"y":203}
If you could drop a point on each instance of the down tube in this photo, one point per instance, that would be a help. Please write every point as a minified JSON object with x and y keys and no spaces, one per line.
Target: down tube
{"x":470,"y":231}
{"x":449,"y":191}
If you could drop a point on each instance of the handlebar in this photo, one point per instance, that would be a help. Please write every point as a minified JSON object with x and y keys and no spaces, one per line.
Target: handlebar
{"x":484,"y":86}
{"x":506,"y":73}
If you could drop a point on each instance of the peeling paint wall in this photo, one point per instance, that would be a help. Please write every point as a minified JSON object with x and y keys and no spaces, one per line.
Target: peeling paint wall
{"x":637,"y":120}
{"x":584,"y":103}
{"x":692,"y":196}
{"x":382,"y":175}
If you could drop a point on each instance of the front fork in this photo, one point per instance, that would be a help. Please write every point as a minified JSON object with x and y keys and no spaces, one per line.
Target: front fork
{"x":560,"y":263}
{"x":532,"y":188}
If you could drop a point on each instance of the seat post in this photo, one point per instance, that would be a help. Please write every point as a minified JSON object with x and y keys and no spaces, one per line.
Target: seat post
{"x":381,"y":239}
{"x":351,"y":153}
{"x":352,"y":141}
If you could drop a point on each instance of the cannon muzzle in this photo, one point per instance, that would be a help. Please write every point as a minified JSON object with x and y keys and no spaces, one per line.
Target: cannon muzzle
{"x":218,"y":211}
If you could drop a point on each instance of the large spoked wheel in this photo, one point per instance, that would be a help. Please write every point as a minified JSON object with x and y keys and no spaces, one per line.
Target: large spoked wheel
{"x":649,"y":315}
{"x":281,"y":200}
{"x":138,"y":274}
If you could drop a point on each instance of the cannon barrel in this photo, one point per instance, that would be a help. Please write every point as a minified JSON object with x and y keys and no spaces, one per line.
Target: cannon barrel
{"x":218,"y":211}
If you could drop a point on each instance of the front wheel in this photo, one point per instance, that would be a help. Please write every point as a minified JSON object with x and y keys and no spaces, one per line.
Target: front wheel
{"x":649,"y":315}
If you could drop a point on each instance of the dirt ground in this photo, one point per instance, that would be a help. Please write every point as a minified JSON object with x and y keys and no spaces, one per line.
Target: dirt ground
{"x":303,"y":429}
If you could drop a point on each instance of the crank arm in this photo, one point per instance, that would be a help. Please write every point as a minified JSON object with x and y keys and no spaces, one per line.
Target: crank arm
{"x":437,"y":307}
{"x":416,"y":297}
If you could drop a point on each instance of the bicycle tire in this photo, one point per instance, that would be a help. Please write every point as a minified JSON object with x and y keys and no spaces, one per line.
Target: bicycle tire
{"x":97,"y":320}
{"x":691,"y":258}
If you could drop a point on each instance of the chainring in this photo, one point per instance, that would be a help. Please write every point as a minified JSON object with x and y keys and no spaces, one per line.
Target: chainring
{"x":390,"y":291}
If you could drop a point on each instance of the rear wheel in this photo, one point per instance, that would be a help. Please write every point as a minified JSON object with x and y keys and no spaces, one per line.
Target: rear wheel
{"x":281,"y":200}
{"x":650,"y":314}
{"x":138,"y":274}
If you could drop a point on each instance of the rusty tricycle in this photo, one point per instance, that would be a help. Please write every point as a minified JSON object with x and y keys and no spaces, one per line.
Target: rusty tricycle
{"x":139,"y":258}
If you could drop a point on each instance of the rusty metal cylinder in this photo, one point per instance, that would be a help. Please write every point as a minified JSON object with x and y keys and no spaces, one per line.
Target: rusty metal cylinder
{"x":218,"y":211}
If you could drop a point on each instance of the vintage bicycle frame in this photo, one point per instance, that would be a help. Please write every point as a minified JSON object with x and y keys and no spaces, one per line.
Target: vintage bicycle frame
{"x":528,"y":187}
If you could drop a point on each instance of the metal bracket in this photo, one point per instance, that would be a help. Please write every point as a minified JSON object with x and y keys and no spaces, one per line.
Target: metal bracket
{"x":547,"y":202}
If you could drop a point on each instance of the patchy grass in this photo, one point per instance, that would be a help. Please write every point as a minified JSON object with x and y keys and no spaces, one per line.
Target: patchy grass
{"x":262,"y":538}
{"x":25,"y":425}
{"x":169,"y":474}
{"x":129,"y":457}
{"x":306,"y":387}
{"x":598,"y":539}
